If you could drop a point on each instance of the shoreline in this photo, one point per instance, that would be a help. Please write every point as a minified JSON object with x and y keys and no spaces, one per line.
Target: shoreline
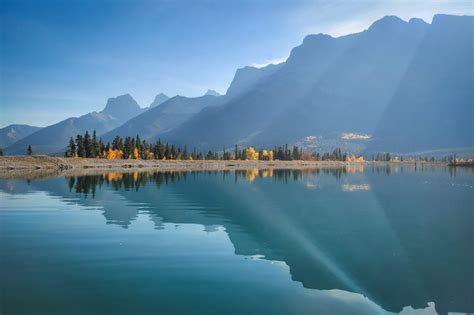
{"x":41,"y":166}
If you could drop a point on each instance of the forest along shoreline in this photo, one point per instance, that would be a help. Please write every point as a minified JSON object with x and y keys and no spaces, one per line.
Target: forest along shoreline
{"x":42,"y":166}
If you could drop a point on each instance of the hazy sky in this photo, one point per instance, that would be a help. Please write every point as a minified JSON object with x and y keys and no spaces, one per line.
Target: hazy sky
{"x":65,"y":58}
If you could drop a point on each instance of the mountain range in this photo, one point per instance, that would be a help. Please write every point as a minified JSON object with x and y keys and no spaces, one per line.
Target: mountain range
{"x":54,"y":138}
{"x":162,"y":118}
{"x":397,"y":86}
{"x":13,"y":133}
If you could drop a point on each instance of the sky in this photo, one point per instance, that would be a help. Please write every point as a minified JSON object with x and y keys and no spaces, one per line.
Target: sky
{"x":60,"y":59}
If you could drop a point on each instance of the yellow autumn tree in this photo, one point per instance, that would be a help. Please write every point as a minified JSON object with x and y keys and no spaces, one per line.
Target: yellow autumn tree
{"x":353,"y":158}
{"x":267,"y":155}
{"x":114,"y":154}
{"x":251,"y":154}
{"x":270,"y":155}
{"x":136,"y":155}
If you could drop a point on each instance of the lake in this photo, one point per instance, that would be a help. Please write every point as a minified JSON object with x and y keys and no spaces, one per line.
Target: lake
{"x":370,"y":239}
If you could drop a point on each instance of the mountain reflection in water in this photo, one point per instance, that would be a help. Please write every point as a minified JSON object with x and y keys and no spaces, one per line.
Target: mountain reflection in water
{"x":401,"y":236}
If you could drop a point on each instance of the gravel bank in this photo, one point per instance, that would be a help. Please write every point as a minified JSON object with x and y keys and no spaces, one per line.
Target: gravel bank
{"x":43,"y":166}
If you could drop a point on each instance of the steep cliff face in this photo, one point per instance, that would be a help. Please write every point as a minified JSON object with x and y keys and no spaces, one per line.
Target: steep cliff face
{"x":433,"y":106}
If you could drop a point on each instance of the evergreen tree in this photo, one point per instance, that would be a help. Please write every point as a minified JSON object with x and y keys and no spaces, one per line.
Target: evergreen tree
{"x":167,"y":152}
{"x":95,"y":145}
{"x":100,"y":148}
{"x":127,"y":148}
{"x":226,"y":155}
{"x":210,"y":155}
{"x":80,"y":150}
{"x":185,"y":155}
{"x":87,"y":144}
{"x":145,"y":149}
{"x":173,"y":152}
{"x":117,"y":144}
{"x":159,"y":150}
{"x":71,"y":150}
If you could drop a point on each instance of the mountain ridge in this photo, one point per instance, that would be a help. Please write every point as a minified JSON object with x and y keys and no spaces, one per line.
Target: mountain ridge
{"x":328,"y":86}
{"x":15,"y":132}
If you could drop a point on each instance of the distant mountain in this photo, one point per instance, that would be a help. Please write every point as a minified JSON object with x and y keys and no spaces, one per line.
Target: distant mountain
{"x":212,"y":93}
{"x":54,"y":138}
{"x":177,"y":110}
{"x":121,"y":108}
{"x":13,"y":133}
{"x":159,"y":99}
{"x":247,"y":77}
{"x":352,"y":84}
{"x":163,"y":118}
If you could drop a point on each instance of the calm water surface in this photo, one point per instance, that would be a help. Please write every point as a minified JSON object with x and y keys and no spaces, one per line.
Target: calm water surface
{"x":354,"y":240}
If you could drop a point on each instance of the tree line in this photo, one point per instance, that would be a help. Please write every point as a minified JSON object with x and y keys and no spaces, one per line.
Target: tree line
{"x":87,"y":146}
{"x":90,"y":146}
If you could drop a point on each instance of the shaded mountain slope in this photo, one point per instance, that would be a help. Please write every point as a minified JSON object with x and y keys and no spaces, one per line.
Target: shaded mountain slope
{"x":162,"y":118}
{"x":432,"y":107}
{"x":395,"y":75}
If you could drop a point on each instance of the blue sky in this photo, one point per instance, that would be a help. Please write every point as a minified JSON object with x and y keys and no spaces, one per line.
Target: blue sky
{"x":65,"y":58}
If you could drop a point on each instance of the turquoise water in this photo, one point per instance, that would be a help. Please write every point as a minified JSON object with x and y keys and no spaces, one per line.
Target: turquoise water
{"x":354,"y":240}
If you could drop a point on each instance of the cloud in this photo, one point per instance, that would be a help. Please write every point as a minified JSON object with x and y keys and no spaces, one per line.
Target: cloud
{"x":274,"y":61}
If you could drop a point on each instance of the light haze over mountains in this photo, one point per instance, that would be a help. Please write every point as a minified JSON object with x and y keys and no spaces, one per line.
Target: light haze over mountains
{"x":13,"y":133}
{"x":407,"y":85}
{"x":52,"y":139}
